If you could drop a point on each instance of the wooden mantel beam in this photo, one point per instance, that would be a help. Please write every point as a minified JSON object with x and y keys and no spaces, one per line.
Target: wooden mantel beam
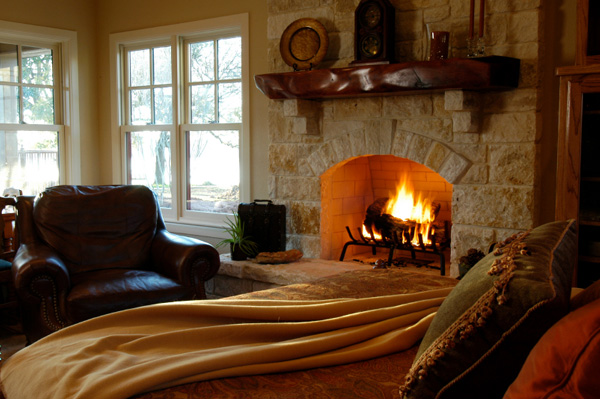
{"x":486,"y":73}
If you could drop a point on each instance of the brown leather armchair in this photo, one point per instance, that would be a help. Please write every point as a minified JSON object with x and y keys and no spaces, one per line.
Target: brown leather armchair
{"x":91,"y":250}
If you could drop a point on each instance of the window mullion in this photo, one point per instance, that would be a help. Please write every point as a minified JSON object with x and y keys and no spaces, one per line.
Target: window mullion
{"x":126,"y":106}
{"x":187,"y":98}
{"x":58,"y":83}
{"x":215,"y":84}
{"x":152,"y":105}
{"x":176,"y":117}
{"x":20,"y":81}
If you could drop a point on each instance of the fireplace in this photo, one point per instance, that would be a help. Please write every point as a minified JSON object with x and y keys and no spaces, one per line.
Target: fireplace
{"x":484,"y":146}
{"x":351,"y":187}
{"x":488,"y":186}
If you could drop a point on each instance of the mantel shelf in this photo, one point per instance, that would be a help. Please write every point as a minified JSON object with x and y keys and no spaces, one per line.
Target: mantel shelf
{"x":486,"y":73}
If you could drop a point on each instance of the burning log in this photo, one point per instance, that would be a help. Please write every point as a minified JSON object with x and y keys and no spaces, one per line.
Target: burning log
{"x":379,"y":223}
{"x":384,"y":224}
{"x":401,"y":223}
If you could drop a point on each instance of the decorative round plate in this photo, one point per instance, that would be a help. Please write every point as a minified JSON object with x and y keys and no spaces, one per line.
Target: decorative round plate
{"x":304,"y":44}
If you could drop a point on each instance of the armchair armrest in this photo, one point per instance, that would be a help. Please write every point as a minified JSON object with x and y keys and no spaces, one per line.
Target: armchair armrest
{"x":41,"y":281}
{"x":187,"y":260}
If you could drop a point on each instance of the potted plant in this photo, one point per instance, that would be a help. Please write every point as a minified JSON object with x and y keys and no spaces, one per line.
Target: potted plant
{"x":241,"y":246}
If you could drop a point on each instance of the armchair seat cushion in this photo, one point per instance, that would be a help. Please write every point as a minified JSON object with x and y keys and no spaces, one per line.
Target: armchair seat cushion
{"x":104,"y":291}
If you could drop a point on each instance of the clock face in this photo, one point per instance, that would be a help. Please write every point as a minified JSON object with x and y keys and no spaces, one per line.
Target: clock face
{"x":370,"y":45}
{"x":371,"y":15}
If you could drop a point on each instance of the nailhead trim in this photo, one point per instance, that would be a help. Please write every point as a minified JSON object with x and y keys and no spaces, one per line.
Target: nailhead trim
{"x":45,"y":314}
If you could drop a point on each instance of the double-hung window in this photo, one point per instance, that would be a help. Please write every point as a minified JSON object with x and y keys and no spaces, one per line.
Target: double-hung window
{"x":149,"y":132}
{"x":40,"y":143}
{"x":183,"y":115}
{"x":31,"y":123}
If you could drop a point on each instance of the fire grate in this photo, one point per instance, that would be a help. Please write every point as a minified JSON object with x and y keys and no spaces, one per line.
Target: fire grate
{"x":395,"y":243}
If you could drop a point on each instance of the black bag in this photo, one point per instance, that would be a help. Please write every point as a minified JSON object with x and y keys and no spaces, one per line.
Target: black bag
{"x":264,"y":222}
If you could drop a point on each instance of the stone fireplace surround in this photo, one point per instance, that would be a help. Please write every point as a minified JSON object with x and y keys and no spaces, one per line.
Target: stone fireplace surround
{"x":482,"y":143}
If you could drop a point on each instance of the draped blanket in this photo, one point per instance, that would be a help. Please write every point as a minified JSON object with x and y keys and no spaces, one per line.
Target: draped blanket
{"x":158,"y":346}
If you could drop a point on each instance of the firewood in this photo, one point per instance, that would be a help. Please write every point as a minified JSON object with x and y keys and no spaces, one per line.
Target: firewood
{"x":387,"y":225}
{"x":288,"y":256}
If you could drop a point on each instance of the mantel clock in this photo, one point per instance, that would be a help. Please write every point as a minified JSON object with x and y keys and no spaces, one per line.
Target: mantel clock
{"x":374,"y":22}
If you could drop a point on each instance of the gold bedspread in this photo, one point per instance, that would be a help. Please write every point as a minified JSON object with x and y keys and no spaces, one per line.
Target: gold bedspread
{"x":246,"y":346}
{"x":377,"y":378}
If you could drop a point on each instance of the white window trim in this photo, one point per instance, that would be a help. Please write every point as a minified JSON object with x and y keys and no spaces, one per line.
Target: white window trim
{"x":70,"y":138}
{"x":183,"y":224}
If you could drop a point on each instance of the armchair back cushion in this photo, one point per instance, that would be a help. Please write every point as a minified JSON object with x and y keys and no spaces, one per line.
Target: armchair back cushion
{"x":97,"y":227}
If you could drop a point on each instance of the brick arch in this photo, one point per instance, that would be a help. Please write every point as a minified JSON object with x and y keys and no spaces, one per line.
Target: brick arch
{"x":418,"y":148}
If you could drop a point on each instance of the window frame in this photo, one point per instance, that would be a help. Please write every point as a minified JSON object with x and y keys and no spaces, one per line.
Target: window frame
{"x":178,"y":219}
{"x":66,"y":112}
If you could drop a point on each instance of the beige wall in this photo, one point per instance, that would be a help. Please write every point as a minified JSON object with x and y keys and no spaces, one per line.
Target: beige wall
{"x":95,"y":20}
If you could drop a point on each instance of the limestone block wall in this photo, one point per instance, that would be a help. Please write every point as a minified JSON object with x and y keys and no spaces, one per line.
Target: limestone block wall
{"x":484,"y":144}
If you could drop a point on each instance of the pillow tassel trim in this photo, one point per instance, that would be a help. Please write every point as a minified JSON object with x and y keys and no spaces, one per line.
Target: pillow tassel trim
{"x":476,"y":315}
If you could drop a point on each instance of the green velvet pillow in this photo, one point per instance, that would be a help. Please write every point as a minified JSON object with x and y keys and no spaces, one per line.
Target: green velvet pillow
{"x":484,"y":330}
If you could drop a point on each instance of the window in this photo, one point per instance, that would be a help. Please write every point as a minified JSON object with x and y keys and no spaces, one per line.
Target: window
{"x":213,"y":92}
{"x":29,"y":116}
{"x":148,"y":99}
{"x":39,"y":123}
{"x":182,"y":115}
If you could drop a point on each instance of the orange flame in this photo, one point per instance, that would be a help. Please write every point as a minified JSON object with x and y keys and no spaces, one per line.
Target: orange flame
{"x":406,"y":207}
{"x":367,"y":235}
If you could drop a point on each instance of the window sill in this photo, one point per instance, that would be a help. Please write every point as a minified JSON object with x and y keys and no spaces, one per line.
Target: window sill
{"x":196,"y":230}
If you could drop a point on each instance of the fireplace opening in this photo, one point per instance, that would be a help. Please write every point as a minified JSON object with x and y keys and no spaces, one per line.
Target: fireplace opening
{"x":405,"y":222}
{"x":387,"y":208}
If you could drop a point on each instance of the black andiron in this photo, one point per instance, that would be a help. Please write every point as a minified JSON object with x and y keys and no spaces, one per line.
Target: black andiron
{"x":395,"y":242}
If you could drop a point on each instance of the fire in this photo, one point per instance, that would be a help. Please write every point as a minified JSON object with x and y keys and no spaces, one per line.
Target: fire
{"x":367,"y":234}
{"x":406,"y":207}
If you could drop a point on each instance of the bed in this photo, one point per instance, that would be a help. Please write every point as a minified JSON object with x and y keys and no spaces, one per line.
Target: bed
{"x":366,"y":379}
{"x":475,"y":345}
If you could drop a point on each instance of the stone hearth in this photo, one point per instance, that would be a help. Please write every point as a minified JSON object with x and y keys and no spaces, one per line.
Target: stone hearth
{"x":240,"y":277}
{"x":484,"y":144}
